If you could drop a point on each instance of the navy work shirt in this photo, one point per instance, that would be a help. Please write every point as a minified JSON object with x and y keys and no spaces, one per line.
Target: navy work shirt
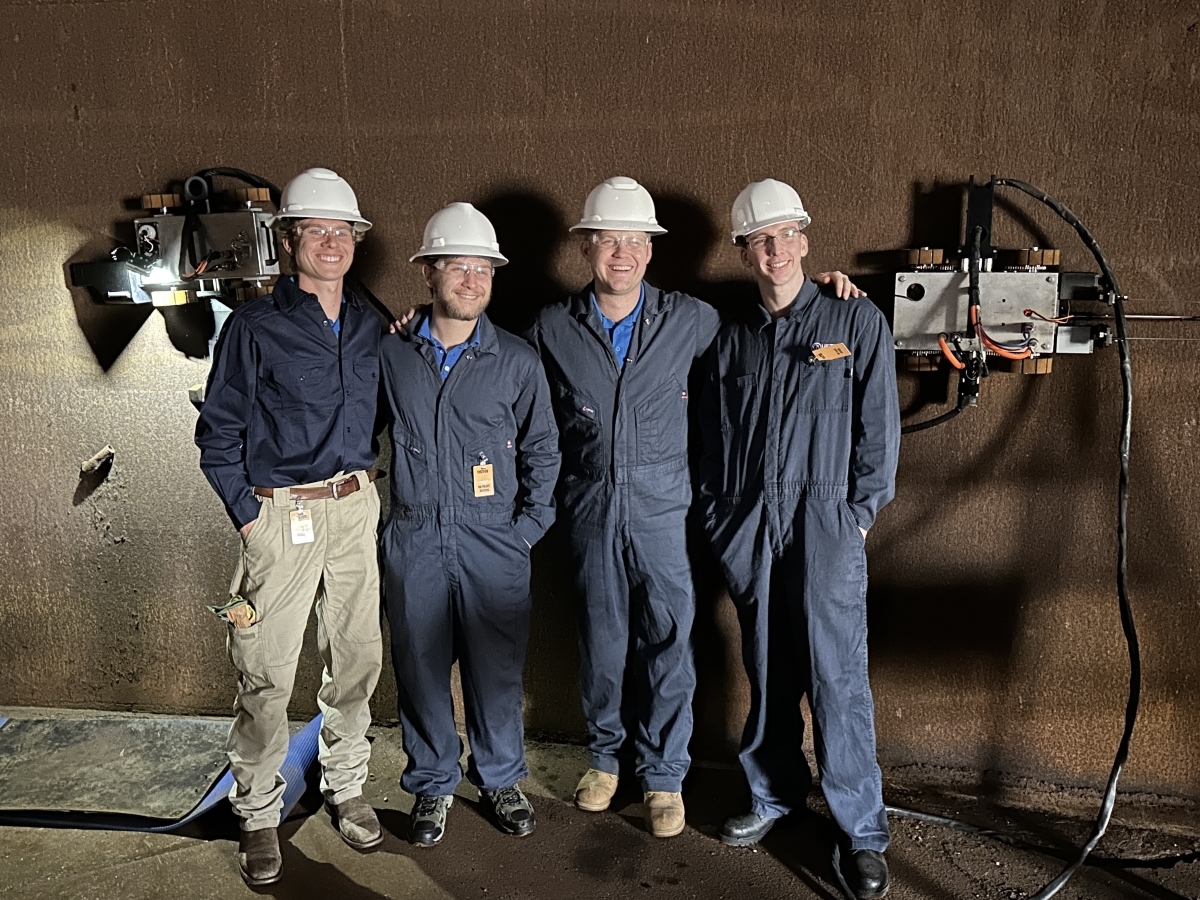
{"x":289,"y":401}
{"x":620,"y":333}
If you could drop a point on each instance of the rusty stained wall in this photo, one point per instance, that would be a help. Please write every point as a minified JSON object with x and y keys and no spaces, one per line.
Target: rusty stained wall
{"x":995,"y":638}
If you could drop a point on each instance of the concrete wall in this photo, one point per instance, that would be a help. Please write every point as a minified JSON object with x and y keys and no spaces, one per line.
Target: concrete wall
{"x":995,"y":638}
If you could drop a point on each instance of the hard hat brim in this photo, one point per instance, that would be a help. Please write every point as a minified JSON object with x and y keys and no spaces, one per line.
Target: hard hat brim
{"x":360,"y":224}
{"x":585,"y":225}
{"x":458,"y":250}
{"x":804,"y":221}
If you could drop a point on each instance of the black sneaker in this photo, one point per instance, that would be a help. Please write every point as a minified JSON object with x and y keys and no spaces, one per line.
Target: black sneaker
{"x":513,"y":813}
{"x":429,"y":819}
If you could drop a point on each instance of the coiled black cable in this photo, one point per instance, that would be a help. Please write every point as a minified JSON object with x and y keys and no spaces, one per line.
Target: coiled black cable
{"x":1127,"y":623}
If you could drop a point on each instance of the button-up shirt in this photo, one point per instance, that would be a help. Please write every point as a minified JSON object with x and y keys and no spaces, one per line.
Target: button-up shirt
{"x":446,"y":358}
{"x":620,"y":333}
{"x":289,"y":401}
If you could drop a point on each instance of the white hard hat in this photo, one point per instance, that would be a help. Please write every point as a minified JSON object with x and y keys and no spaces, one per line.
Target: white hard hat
{"x":619,"y":204}
{"x":766,"y":202}
{"x":319,"y":194}
{"x":460,"y":230}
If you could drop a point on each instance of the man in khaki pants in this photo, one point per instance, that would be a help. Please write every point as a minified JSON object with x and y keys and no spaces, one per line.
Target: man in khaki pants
{"x":286,"y":439}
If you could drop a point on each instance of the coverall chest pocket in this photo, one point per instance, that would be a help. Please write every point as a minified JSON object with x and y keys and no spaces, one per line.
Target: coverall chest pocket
{"x":660,"y":423}
{"x":740,"y":393}
{"x":578,"y":426}
{"x":825,"y":386}
{"x":496,"y":448}
{"x":297,"y":385}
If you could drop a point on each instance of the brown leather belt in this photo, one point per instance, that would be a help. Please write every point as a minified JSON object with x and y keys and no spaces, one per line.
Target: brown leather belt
{"x":335,"y":491}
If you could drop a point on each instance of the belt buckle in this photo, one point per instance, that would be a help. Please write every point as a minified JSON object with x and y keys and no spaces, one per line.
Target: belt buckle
{"x":333,"y":488}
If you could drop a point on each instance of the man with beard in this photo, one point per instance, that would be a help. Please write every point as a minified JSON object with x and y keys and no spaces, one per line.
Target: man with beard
{"x":286,"y":439}
{"x":801,"y":427}
{"x":475,"y":459}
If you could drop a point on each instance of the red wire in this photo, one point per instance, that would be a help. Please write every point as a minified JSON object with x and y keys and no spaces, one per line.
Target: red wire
{"x":992,"y":345}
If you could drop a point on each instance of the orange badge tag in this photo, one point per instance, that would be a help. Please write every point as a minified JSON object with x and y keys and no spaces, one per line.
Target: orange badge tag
{"x":482,"y":477}
{"x":830,"y":352}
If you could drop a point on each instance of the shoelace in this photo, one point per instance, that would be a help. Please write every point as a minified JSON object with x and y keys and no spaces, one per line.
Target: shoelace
{"x":508,"y":796}
{"x":426,"y":806}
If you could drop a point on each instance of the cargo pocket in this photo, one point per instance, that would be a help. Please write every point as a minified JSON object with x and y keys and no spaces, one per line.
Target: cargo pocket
{"x":246,"y":650}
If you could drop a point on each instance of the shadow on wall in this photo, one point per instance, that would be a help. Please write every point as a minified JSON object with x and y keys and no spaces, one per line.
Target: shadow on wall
{"x":110,"y":327}
{"x":530,"y":229}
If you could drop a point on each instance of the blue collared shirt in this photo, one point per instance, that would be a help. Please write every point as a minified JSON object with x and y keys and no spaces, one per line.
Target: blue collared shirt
{"x":621,"y":333}
{"x":447,"y":358}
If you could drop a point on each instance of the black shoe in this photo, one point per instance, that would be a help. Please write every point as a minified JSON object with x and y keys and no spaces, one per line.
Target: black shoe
{"x":514,"y":814}
{"x":873,"y":881}
{"x":356,"y":822}
{"x":258,"y":857}
{"x":429,"y":819}
{"x":744,"y":830}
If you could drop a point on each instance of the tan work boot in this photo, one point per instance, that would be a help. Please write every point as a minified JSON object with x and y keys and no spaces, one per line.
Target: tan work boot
{"x":595,"y":790}
{"x":664,"y":813}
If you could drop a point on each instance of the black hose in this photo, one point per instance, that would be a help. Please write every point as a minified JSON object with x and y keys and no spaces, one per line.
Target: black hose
{"x":937,"y":420}
{"x":242,"y":175}
{"x":973,"y":276}
{"x":1127,"y":623}
{"x":972,"y":301}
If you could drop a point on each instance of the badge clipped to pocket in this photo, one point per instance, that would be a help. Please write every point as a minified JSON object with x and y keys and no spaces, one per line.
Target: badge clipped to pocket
{"x":302,"y":526}
{"x":830,"y":352}
{"x":481,"y":477}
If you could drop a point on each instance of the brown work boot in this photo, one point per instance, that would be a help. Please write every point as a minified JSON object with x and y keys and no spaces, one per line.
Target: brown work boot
{"x":595,"y":790}
{"x":664,"y":813}
{"x":356,"y":822}
{"x":258,"y":856}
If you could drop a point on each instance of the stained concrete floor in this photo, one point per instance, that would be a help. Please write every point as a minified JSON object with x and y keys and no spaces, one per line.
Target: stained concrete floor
{"x":610,"y":855}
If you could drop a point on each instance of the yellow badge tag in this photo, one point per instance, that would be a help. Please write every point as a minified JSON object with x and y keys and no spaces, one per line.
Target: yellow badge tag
{"x":302,"y":526}
{"x":482,"y":477}
{"x":830,"y":352}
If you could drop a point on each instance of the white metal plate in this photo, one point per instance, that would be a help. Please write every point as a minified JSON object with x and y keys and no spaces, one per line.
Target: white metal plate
{"x":1003,"y":299}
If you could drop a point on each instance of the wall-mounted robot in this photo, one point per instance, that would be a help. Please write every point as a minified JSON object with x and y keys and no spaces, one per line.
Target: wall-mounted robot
{"x":986,"y":306}
{"x":194,"y":245}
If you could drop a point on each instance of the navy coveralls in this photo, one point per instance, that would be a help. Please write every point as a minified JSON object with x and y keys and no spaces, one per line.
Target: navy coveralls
{"x":798,"y":455}
{"x":456,"y":566}
{"x":623,"y":494}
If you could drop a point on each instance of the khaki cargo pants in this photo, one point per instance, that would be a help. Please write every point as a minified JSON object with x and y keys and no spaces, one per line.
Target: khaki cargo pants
{"x":281,"y":580}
